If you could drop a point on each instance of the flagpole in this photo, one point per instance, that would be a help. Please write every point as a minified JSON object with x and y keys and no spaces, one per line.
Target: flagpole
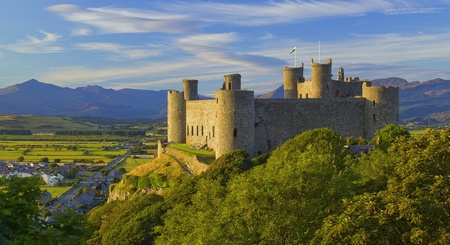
{"x":319,"y":52}
{"x":295,"y":65}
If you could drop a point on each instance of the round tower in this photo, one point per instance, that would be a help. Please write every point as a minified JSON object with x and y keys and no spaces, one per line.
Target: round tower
{"x":176,"y":117}
{"x":321,"y":79}
{"x":190,"y":88}
{"x":382,"y":107}
{"x":292,"y":76}
{"x":232,"y":82}
{"x":235,"y":118}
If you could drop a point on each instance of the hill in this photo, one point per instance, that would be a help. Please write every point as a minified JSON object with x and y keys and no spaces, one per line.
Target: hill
{"x":43,"y":124}
{"x":421,"y":103}
{"x":34,"y":97}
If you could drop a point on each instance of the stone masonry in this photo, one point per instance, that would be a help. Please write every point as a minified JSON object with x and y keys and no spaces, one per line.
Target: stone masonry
{"x":234,"y":119}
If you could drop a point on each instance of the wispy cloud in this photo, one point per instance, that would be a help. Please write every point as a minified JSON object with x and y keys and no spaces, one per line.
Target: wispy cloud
{"x":395,"y":11}
{"x":118,"y":20}
{"x":81,"y":32}
{"x":35,"y":45}
{"x":276,"y":12}
{"x":213,"y":48}
{"x":118,"y":51}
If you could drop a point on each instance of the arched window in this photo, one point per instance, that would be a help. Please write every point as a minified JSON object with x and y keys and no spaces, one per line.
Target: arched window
{"x":235,"y":132}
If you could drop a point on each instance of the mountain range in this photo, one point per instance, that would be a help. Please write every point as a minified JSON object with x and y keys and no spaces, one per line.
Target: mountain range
{"x":425,"y":102}
{"x":37,"y":98}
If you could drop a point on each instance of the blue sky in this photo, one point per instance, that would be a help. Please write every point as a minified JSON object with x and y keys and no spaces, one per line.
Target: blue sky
{"x":155,"y":44}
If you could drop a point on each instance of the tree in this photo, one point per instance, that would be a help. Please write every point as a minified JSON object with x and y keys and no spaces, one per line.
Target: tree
{"x":21,"y":159}
{"x":44,"y":159}
{"x":19,"y":222}
{"x":384,"y":137}
{"x":411,"y":207}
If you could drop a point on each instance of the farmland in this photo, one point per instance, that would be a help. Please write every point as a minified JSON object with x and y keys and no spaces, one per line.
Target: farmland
{"x":60,"y":151}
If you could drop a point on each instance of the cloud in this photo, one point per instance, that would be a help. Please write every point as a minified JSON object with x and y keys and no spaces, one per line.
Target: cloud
{"x":118,"y":20}
{"x":35,"y":45}
{"x":276,"y":12}
{"x":118,"y":51}
{"x":396,"y":11}
{"x":213,"y":48}
{"x":81,"y":32}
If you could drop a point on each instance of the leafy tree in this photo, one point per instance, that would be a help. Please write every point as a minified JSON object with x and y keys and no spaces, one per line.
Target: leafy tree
{"x":19,"y":222}
{"x":384,"y":137}
{"x":411,"y":208}
{"x":127,"y":222}
{"x":21,"y":159}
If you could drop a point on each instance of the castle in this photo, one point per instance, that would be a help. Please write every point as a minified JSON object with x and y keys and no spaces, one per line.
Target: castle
{"x":235,"y":119}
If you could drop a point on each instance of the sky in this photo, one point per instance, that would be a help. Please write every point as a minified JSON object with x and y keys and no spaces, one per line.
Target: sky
{"x":153,"y":45}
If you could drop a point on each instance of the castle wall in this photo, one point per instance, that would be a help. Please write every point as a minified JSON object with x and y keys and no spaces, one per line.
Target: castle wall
{"x":382,"y":107}
{"x":277,"y":120}
{"x":292,"y":76}
{"x":321,"y":79}
{"x":234,"y":121}
{"x":176,"y":117}
{"x":190,"y":88}
{"x":340,"y":89}
{"x":200,"y":121}
{"x":304,"y":90}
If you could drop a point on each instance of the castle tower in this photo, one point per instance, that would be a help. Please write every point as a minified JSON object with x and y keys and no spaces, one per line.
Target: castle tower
{"x":382,"y":107}
{"x":235,"y":117}
{"x":176,"y":117}
{"x":292,"y":76}
{"x":232,"y":82}
{"x":341,"y":76}
{"x":321,"y":79}
{"x":190,"y":88}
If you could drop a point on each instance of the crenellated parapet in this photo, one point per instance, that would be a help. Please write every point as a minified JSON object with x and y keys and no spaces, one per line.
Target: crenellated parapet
{"x":232,"y":82}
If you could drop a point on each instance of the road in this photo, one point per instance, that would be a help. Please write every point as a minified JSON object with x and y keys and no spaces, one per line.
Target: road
{"x":69,"y":194}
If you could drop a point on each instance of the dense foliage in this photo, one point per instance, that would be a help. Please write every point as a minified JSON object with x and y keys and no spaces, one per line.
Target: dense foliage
{"x":308,"y":191}
{"x":20,"y":222}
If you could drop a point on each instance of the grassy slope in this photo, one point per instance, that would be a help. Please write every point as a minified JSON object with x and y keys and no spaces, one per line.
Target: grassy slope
{"x":42,"y":124}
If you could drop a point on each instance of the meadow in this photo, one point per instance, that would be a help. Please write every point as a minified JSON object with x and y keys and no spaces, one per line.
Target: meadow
{"x":60,"y":151}
{"x":131,"y":163}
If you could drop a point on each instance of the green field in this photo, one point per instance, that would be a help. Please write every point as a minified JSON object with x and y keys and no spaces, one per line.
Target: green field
{"x":65,"y":151}
{"x":55,"y":191}
{"x":131,"y":163}
{"x":202,"y":155}
{"x":416,"y":132}
{"x":43,"y":124}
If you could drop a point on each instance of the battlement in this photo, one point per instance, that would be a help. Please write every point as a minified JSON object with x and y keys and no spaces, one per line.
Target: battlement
{"x":232,"y":82}
{"x":173,"y":92}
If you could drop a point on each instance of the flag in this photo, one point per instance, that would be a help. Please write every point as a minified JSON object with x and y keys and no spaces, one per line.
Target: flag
{"x":293,"y":49}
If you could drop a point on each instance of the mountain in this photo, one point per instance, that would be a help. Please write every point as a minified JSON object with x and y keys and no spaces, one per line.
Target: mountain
{"x":421,"y":103}
{"x":34,"y":97}
{"x":426,"y":102}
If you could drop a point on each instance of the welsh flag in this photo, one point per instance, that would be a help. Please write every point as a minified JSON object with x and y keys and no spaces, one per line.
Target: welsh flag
{"x":293,"y":49}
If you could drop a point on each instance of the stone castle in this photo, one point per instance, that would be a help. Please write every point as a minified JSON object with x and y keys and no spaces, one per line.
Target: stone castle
{"x":235,"y":119}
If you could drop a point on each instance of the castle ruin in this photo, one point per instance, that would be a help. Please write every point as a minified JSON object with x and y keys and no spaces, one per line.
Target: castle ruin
{"x":235,"y":119}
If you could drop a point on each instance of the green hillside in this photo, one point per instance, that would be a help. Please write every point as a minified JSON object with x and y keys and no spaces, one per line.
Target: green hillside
{"x":43,"y":124}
